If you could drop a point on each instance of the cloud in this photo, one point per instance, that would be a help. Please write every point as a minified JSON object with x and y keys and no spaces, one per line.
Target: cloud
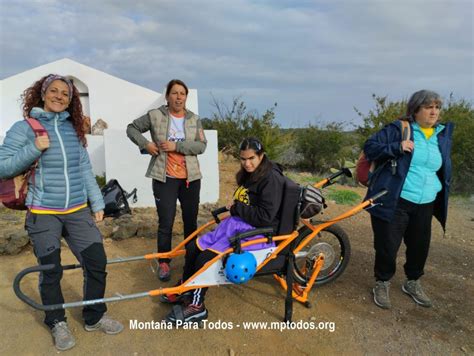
{"x":316,"y":59}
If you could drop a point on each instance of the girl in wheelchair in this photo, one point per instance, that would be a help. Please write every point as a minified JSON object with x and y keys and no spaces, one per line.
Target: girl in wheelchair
{"x":256,"y":203}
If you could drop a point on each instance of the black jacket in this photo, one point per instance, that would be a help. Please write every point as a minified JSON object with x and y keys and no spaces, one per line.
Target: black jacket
{"x":264,"y":200}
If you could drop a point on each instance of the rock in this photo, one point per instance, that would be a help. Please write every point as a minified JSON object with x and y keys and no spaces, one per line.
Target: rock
{"x":106,"y":230}
{"x":13,"y":241}
{"x":99,"y":127}
{"x":125,"y":230}
{"x":147,"y":230}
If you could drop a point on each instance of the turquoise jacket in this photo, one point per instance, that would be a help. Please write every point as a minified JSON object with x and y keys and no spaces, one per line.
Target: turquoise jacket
{"x":426,"y":161}
{"x":63,"y":178}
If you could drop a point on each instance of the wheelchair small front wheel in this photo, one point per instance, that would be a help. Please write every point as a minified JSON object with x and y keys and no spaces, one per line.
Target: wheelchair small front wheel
{"x":333,"y":243}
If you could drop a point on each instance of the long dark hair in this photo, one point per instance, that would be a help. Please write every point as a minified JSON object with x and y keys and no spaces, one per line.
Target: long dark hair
{"x":31,"y":98}
{"x":243,"y":177}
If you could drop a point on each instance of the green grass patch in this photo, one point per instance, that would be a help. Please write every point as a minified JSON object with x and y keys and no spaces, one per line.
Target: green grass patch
{"x":342,"y":196}
{"x":303,"y":178}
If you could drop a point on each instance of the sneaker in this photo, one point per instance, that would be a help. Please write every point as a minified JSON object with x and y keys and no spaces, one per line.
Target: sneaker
{"x":63,"y":338}
{"x":192,"y":313}
{"x":175,"y":298}
{"x":414,"y":290}
{"x":381,"y":297}
{"x":164,"y":273}
{"x":107,"y":325}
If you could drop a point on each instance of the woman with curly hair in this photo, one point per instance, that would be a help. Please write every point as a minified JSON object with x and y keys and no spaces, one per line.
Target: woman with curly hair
{"x":61,"y":194}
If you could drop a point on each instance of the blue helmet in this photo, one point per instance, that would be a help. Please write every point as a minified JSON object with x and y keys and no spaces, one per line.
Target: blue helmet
{"x":241,"y":267}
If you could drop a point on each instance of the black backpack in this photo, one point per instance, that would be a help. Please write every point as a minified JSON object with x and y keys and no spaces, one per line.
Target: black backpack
{"x":116,"y":199}
{"x":298,"y":201}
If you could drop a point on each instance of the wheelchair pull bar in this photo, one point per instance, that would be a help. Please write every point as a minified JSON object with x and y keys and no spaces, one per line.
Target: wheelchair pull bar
{"x":37,"y":306}
{"x":218,"y":211}
{"x":22,"y":296}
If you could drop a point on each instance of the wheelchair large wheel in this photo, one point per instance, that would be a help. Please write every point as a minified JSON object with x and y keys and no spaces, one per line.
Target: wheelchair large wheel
{"x":334,"y":243}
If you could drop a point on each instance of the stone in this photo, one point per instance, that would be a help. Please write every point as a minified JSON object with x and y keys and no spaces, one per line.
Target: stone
{"x":12,"y":242}
{"x":125,"y":230}
{"x":147,"y":231}
{"x":106,"y":230}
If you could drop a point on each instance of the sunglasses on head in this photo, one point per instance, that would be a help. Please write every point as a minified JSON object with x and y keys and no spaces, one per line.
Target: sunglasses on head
{"x":251,"y":142}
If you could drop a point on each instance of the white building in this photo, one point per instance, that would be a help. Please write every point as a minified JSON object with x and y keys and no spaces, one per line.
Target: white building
{"x":117,"y":102}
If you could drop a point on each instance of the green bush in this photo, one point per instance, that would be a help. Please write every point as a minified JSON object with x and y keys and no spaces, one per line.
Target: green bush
{"x":461,"y":113}
{"x":100,"y":180}
{"x":320,"y":146}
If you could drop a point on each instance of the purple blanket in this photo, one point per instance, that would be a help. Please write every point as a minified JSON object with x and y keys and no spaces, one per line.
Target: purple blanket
{"x":218,"y":239}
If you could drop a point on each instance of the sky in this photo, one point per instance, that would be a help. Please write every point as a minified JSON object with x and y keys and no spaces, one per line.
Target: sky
{"x":316,"y":59}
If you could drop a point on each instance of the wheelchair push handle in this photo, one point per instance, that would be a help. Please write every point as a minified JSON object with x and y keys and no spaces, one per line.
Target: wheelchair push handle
{"x":330,"y":180}
{"x":218,"y":211}
{"x":379,"y":194}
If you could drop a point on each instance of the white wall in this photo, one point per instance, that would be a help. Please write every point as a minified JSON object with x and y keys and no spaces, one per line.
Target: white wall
{"x":124,"y":162}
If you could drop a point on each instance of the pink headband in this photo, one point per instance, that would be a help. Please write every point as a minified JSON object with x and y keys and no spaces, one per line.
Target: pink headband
{"x":51,"y":78}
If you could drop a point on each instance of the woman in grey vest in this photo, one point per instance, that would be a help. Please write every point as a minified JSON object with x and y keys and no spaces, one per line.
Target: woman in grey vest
{"x":177,"y":137}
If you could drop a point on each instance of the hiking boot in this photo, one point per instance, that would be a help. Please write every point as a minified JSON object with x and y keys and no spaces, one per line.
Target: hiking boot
{"x":107,"y":325}
{"x":381,"y":297}
{"x":192,"y":313}
{"x":63,"y":338}
{"x":414,"y":290}
{"x":164,"y":273}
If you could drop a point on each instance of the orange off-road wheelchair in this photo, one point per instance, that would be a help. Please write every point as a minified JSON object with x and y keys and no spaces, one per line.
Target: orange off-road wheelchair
{"x":306,"y":253}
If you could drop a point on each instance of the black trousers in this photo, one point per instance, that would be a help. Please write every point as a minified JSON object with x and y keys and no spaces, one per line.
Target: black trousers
{"x":166,"y":195}
{"x":94,"y":262}
{"x":412,"y":223}
{"x":193,"y":261}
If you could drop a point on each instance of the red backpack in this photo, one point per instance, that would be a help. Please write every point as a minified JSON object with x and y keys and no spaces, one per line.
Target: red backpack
{"x":365,"y":168}
{"x":13,"y":190}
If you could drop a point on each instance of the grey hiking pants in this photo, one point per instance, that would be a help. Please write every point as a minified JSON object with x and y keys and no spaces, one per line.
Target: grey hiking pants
{"x":85,"y":241}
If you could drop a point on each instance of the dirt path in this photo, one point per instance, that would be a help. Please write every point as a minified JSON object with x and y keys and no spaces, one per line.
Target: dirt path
{"x":360,"y":327}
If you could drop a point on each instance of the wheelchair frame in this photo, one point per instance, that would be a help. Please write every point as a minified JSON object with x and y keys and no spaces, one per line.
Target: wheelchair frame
{"x":212,"y":273}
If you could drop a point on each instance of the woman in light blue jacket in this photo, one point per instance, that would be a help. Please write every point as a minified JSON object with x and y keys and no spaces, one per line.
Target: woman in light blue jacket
{"x":418,"y":189}
{"x":61,"y":194}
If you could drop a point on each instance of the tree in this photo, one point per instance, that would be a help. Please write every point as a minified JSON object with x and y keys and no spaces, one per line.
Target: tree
{"x":235,"y":123}
{"x":461,"y":113}
{"x":385,"y":112}
{"x":321,"y":145}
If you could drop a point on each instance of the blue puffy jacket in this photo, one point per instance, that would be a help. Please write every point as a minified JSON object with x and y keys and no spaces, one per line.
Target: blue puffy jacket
{"x":63,"y":179}
{"x":382,"y":147}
